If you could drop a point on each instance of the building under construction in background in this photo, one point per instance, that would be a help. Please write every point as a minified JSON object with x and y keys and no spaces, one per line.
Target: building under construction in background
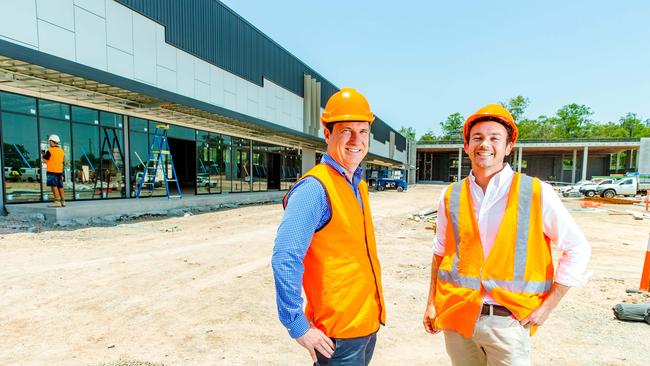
{"x":565,"y":161}
{"x":243,"y":113}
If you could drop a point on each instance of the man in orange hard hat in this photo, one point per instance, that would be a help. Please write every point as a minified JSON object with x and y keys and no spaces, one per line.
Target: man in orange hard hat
{"x":492,"y":277}
{"x":326,"y":245}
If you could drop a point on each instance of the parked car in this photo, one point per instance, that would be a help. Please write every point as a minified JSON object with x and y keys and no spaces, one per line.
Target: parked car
{"x":590,"y":190}
{"x":574,"y":188}
{"x":628,"y":186}
{"x":29,"y":174}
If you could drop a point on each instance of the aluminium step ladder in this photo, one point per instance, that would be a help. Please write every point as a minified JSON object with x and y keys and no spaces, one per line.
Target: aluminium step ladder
{"x":159,"y":157}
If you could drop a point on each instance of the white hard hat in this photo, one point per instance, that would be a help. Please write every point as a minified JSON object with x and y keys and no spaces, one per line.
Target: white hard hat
{"x":55,"y":138}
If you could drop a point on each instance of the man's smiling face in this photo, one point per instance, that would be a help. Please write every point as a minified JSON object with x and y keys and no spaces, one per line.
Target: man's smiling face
{"x":488,"y":145}
{"x":348,"y":143}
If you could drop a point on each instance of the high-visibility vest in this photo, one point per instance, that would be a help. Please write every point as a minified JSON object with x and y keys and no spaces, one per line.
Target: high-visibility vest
{"x":55,"y":161}
{"x":342,"y":278}
{"x":518,"y":272}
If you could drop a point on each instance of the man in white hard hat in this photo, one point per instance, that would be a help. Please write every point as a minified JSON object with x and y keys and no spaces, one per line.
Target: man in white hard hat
{"x":54,"y":160}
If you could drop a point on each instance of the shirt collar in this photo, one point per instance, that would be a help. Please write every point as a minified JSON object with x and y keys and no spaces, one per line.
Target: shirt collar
{"x":326,"y":159}
{"x":503,"y":176}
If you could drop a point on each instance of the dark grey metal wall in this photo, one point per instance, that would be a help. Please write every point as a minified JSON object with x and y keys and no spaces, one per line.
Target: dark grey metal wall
{"x":210,"y":30}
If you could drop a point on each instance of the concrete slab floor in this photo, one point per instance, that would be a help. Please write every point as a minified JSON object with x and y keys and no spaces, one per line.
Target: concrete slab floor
{"x":84,"y":212}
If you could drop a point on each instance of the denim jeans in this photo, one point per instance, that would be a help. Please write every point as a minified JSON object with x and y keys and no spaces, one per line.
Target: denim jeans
{"x":350,"y":352}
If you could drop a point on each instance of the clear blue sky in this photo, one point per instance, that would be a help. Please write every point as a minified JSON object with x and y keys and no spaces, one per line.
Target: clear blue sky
{"x":419,"y":61}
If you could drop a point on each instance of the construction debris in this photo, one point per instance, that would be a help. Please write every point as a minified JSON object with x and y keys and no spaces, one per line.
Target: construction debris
{"x":632,"y":312}
{"x":614,"y":200}
{"x":589,"y":204}
{"x":637,"y":215}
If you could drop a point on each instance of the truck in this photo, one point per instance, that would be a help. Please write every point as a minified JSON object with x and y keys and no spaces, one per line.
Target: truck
{"x":591,"y":189}
{"x":628,"y":186}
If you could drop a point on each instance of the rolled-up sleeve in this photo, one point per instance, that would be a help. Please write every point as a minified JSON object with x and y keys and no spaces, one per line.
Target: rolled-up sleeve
{"x":563,"y":231}
{"x":441,"y":227}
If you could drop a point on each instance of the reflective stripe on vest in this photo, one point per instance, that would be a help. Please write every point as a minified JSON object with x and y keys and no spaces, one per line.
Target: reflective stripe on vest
{"x":517,"y":284}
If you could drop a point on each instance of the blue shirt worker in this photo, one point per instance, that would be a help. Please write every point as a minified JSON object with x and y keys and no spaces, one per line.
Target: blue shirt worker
{"x":326,"y":245}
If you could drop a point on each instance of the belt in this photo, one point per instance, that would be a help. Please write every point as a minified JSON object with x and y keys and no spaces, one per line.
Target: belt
{"x":499,"y":310}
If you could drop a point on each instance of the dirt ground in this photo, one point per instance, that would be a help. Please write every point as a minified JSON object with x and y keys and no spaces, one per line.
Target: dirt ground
{"x":198,"y":290}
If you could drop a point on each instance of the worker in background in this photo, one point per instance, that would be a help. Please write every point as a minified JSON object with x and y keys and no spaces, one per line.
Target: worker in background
{"x":54,"y":160}
{"x":492,"y":276}
{"x":326,"y":244}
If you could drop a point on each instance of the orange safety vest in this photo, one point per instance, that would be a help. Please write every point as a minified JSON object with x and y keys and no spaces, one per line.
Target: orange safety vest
{"x":342,"y":278}
{"x":518,"y":272}
{"x":55,"y":161}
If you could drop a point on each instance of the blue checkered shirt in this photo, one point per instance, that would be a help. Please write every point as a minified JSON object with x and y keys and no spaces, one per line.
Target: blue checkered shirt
{"x":307,"y":211}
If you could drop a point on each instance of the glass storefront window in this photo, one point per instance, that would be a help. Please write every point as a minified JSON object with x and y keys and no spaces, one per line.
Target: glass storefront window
{"x":291,"y":166}
{"x":260,"y":166}
{"x":111,"y":120}
{"x":202,"y":162}
{"x":56,"y":110}
{"x":94,"y":166}
{"x":241,"y":164}
{"x":86,"y":161}
{"x":17,"y":103}
{"x":111,"y":162}
{"x":22,"y":171}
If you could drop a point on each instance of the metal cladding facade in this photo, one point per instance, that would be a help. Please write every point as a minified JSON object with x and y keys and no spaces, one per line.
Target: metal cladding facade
{"x":211,"y":31}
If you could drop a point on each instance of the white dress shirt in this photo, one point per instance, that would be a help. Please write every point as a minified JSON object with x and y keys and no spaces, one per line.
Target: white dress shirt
{"x":559,"y":226}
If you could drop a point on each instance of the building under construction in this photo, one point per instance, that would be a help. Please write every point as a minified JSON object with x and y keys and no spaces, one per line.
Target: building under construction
{"x":242,"y":112}
{"x":556,"y":161}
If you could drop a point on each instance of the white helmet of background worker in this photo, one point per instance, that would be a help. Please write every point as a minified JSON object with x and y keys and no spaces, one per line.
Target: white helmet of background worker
{"x":55,"y":139}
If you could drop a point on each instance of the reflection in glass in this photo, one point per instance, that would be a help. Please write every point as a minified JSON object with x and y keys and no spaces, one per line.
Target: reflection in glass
{"x":17,"y":103}
{"x":86,"y":160}
{"x":21,"y":156}
{"x":208,"y":168}
{"x":291,"y":166}
{"x":51,"y":109}
{"x":240,"y":167}
{"x":111,"y":164}
{"x":260,"y":166}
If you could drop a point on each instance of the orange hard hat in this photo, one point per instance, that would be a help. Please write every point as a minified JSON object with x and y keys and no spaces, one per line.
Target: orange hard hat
{"x":492,"y":112}
{"x":347,"y":105}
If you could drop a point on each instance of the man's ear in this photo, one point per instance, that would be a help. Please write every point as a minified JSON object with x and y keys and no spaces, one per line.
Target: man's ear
{"x":326,"y":133}
{"x":466,"y":148}
{"x":509,"y":147}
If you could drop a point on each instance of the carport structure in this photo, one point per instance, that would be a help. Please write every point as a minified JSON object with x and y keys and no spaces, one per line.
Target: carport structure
{"x":549,"y":160}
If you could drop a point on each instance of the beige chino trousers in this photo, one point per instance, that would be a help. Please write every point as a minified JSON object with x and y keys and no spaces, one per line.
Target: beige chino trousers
{"x":498,"y":341}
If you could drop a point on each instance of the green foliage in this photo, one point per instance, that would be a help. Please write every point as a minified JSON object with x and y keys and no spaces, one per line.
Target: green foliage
{"x":452,"y":127}
{"x":633,"y":126}
{"x":428,"y":137}
{"x":408,"y":132}
{"x":573,"y":121}
{"x":569,"y":122}
{"x":516,"y":106}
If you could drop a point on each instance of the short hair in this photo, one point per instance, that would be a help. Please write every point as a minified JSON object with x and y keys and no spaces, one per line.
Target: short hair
{"x":492,"y":119}
{"x":330,"y":126}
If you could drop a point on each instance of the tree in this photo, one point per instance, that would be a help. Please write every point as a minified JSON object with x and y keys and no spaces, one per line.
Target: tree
{"x":452,"y":127}
{"x":632,"y":125}
{"x":428,"y":137}
{"x":516,"y":106}
{"x":573,"y":121}
{"x":408,"y":132}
